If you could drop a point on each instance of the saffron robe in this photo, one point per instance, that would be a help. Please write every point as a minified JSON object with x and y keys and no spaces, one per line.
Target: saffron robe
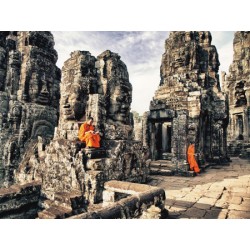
{"x":191,"y":159}
{"x":91,"y":139}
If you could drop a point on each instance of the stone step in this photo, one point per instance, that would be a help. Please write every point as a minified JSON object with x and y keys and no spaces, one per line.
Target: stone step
{"x":167,"y":168}
{"x":45,"y":215}
{"x":71,"y":200}
{"x":167,"y":156}
{"x":161,"y":167}
{"x":95,"y":153}
{"x":55,"y":212}
{"x":184,"y":173}
{"x":162,"y":163}
{"x":160,"y":171}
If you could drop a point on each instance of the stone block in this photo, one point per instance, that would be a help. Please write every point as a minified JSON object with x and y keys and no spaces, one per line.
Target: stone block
{"x":205,"y":203}
{"x":212,"y":214}
{"x":213,"y":194}
{"x":236,"y":200}
{"x":183,"y":203}
{"x":195,"y":213}
{"x":233,"y":214}
{"x":239,"y":207}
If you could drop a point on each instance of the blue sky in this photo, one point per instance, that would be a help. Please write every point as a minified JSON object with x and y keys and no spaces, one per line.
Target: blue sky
{"x":141,"y":51}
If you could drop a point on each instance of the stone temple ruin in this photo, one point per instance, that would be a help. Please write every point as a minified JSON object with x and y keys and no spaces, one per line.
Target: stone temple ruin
{"x":236,"y":85}
{"x":45,"y":170}
{"x":189,"y":105}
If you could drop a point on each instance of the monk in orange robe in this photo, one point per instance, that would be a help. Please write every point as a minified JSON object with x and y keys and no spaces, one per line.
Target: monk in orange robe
{"x":88,"y":135}
{"x":191,"y":159}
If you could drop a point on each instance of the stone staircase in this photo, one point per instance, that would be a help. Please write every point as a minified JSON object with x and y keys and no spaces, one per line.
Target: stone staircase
{"x":168,"y":168}
{"x":161,"y":167}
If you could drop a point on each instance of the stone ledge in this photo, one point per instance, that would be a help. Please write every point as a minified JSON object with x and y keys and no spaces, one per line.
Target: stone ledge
{"x":140,"y":203}
{"x":20,"y":201}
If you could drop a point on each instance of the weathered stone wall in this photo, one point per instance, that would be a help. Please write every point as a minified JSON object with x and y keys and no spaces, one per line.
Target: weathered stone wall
{"x":29,"y":91}
{"x":20,"y":201}
{"x":237,"y":86}
{"x":188,"y":107}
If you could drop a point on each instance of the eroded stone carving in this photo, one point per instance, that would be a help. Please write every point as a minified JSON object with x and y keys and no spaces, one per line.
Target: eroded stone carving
{"x":29,"y":91}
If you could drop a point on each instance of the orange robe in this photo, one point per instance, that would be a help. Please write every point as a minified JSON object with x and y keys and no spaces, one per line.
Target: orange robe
{"x":92,"y":140}
{"x":191,"y":159}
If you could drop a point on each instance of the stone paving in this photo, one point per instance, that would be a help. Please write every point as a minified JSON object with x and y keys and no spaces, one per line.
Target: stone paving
{"x":221,"y":192}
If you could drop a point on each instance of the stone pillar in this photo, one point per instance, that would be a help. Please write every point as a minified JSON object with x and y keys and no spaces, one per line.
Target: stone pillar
{"x":180,"y":124}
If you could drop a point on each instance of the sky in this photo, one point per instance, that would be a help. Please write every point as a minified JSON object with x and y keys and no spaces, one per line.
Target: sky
{"x":141,"y":51}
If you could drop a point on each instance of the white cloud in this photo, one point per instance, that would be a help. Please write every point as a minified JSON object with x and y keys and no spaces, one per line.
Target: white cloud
{"x":224,"y":44}
{"x":140,"y":51}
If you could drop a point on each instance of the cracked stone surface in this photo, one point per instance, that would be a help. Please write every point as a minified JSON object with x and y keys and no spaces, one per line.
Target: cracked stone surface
{"x":214,"y":194}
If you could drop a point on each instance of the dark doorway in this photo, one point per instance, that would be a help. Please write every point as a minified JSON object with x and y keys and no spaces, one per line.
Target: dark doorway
{"x":166,"y":137}
{"x":158,"y":141}
{"x":240,"y":127}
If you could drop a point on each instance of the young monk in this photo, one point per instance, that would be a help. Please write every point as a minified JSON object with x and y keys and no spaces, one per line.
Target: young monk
{"x":88,"y":135}
{"x":191,"y":159}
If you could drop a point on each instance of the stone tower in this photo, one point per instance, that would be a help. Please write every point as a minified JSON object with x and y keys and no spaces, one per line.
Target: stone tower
{"x":237,"y":86}
{"x":97,"y":87}
{"x":29,"y":97}
{"x":188,"y":106}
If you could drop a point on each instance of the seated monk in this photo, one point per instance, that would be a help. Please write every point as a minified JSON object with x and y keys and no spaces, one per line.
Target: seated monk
{"x":191,"y":159}
{"x":88,"y":135}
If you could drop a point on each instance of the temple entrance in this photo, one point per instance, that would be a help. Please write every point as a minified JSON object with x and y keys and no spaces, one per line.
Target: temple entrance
{"x":163,"y":140}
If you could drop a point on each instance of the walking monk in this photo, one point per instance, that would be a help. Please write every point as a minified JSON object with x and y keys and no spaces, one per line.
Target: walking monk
{"x":191,"y":159}
{"x":88,"y":135}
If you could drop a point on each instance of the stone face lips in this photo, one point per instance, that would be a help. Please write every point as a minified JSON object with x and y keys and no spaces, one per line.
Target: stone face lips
{"x":29,"y":90}
{"x":188,"y":106}
{"x":236,"y":84}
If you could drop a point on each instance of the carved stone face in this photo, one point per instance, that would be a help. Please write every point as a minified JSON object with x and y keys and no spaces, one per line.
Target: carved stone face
{"x":73,"y":104}
{"x":120,"y":100}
